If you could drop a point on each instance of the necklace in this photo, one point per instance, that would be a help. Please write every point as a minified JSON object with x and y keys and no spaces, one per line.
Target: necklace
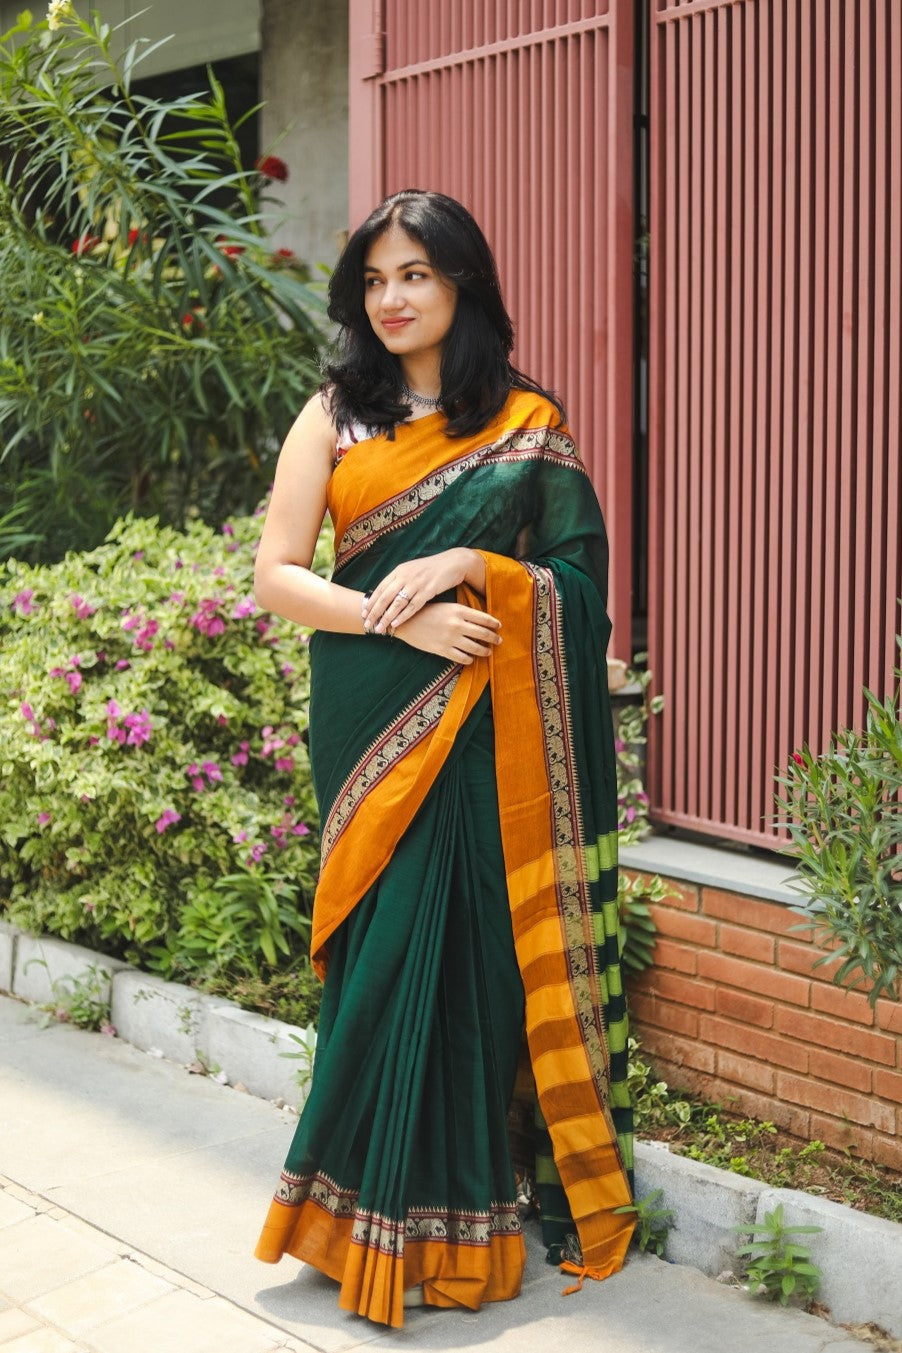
{"x":425,"y":401}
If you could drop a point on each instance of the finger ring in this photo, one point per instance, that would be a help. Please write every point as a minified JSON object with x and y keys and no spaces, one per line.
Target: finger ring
{"x":404,"y":594}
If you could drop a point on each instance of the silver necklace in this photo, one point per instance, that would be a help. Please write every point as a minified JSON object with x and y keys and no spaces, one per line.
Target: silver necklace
{"x":425,"y":401}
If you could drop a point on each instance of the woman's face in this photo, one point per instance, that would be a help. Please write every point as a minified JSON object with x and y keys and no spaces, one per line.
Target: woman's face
{"x":409,"y":304}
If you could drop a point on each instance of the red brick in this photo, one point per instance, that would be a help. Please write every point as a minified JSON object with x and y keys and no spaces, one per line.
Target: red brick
{"x":681,"y":926}
{"x":670,"y":954}
{"x":745,"y":1070}
{"x":772,"y":918}
{"x":887,"y":1151}
{"x":837,"y":1001}
{"x":747,"y":943}
{"x":722,"y":1033}
{"x":836,"y":1036}
{"x":675,"y":986}
{"x":843,"y":1136}
{"x":802,"y":958}
{"x":888,"y":1085}
{"x":748,"y":1009}
{"x":735,"y":972}
{"x":889,"y":1017}
{"x":648,"y":1009}
{"x":681,"y":1051}
{"x":846,"y":1071}
{"x":764,"y":1108}
{"x":816,"y":1095}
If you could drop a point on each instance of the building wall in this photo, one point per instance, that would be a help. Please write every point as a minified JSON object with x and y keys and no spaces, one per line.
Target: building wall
{"x":304,"y":86}
{"x":202,"y":30}
{"x":734,"y":1009}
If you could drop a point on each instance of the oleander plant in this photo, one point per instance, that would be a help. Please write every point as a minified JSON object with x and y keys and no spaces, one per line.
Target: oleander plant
{"x":154,"y":344}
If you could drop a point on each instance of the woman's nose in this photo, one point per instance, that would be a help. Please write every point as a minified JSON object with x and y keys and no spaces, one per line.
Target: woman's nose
{"x":392,"y":296}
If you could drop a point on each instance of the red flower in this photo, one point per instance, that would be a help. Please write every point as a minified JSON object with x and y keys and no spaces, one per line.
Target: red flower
{"x":799,"y":760}
{"x":85,"y":244}
{"x":133,"y":236}
{"x":232,"y":250}
{"x":284,"y":253}
{"x":271,"y":167}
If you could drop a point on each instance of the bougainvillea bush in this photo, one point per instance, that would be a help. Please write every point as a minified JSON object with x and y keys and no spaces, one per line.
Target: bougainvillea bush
{"x":155,"y":797}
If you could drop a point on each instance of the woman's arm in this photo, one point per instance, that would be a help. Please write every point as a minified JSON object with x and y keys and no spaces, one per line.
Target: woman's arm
{"x":283,"y":582}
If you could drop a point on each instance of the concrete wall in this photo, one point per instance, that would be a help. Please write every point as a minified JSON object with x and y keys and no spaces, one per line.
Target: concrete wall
{"x":202,"y":30}
{"x":304,"y":86}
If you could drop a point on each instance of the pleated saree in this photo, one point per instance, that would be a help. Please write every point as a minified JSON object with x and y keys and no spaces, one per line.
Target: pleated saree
{"x":468,"y":887}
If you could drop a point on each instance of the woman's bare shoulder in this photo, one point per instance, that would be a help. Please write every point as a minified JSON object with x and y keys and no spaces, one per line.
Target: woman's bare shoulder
{"x":312,"y":434}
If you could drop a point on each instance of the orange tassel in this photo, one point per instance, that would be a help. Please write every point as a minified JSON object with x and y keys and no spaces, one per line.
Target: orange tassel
{"x":582,"y":1274}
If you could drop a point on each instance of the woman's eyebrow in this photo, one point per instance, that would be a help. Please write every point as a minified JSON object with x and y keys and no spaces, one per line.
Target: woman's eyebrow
{"x":413,"y":262}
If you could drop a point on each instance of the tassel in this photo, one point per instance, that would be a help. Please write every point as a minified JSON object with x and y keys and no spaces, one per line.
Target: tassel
{"x":582,"y":1273}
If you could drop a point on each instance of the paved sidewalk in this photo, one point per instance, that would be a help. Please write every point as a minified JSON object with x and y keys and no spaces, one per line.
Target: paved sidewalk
{"x":130,"y":1200}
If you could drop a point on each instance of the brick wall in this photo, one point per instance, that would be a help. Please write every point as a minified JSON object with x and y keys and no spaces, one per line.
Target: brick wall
{"x":733,"y":1009}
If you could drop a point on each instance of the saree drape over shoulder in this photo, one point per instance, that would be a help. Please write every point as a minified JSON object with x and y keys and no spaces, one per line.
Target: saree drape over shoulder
{"x":468,"y":886}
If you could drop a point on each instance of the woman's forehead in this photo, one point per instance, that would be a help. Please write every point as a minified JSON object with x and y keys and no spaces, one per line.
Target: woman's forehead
{"x":393,"y":249}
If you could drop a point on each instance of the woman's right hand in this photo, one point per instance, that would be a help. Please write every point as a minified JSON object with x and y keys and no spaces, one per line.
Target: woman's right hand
{"x":450,"y":630}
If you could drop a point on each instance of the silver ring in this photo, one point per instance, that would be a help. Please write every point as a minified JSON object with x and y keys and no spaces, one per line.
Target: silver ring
{"x":404,"y":594}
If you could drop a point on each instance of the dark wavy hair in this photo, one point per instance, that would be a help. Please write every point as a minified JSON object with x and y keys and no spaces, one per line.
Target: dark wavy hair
{"x":364,"y":381}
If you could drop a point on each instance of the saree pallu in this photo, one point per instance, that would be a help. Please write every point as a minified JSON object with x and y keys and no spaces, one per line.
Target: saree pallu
{"x":468,"y":886}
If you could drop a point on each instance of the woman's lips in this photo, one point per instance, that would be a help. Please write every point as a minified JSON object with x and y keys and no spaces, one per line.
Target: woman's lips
{"x":396,"y":323}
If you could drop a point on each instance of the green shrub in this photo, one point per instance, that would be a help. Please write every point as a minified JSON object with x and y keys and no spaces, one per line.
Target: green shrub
{"x":154,"y":346}
{"x":155,"y":795}
{"x":845,"y":820}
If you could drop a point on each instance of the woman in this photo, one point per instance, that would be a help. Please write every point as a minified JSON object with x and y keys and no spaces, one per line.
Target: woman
{"x":462,"y":755}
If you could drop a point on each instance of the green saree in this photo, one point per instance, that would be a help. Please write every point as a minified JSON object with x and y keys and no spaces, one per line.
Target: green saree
{"x":468,"y":887}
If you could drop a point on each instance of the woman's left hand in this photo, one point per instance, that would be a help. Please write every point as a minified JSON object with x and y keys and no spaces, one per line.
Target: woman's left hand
{"x":410,"y":585}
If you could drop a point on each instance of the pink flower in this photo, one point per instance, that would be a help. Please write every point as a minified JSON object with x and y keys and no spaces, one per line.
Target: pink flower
{"x":130,"y":621}
{"x":285,"y":763}
{"x":239,"y":837}
{"x":222,"y":720}
{"x":244,"y":608}
{"x":287,"y":669}
{"x":228,"y":529}
{"x":109,"y":1030}
{"x":219,"y":571}
{"x":205,"y":619}
{"x":93,"y":740}
{"x":123,"y":665}
{"x":176,"y":598}
{"x":57,"y":672}
{"x":81,"y":608}
{"x":257,"y":852}
{"x":262,"y":626}
{"x":113,"y":709}
{"x":140,"y":728}
{"x":22,"y":601}
{"x":43,"y":819}
{"x":239,"y":758}
{"x":288,"y":800}
{"x":168,"y":818}
{"x":144,"y":638}
{"x":211,"y":770}
{"x":115,"y":733}
{"x":293,"y":740}
{"x":74,"y":681}
{"x":197,"y":782}
{"x":300,"y":829}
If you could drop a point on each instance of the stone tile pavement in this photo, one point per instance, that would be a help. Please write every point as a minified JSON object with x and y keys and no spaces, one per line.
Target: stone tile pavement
{"x":131,"y":1196}
{"x":66,"y":1287}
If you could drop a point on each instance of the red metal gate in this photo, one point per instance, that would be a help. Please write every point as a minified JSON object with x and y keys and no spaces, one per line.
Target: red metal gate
{"x":522,"y":109}
{"x":775,"y":380}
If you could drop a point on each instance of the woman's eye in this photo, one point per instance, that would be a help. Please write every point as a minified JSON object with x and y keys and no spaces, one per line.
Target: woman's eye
{"x":414,"y":276}
{"x":371,"y":282}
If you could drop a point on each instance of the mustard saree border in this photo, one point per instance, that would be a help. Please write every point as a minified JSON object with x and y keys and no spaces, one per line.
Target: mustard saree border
{"x":551,"y":908}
